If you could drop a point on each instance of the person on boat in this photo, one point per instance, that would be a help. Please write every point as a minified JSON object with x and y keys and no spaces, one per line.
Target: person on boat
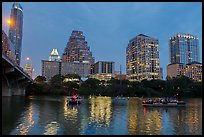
{"x":74,"y":97}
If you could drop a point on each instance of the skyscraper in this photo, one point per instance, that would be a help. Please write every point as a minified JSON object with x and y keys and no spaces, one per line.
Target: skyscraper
{"x":142,"y":58}
{"x":77,"y":49}
{"x":29,"y":67}
{"x":54,"y":55}
{"x":184,"y":57}
{"x":183,"y":48}
{"x":16,"y":29}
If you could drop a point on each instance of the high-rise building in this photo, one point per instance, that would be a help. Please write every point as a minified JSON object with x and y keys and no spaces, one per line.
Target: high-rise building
{"x":8,"y":47}
{"x":54,"y":55}
{"x":50,"y":69}
{"x":183,"y":48}
{"x":16,"y":29}
{"x":103,"y":70}
{"x":184,"y":57}
{"x":28,"y":67}
{"x":77,"y":49}
{"x":142,"y":58}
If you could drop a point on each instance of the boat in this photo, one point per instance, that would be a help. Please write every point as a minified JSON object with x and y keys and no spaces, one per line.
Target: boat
{"x":75,"y":99}
{"x":163,"y":103}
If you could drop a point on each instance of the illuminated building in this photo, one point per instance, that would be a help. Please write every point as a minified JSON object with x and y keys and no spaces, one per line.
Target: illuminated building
{"x":183,"y":48}
{"x":8,"y":47}
{"x":54,"y":55}
{"x":80,"y":68}
{"x":142,"y":58}
{"x":184,"y":57}
{"x":28,"y":67}
{"x":50,"y":69}
{"x":103,"y":70}
{"x":54,"y":66}
{"x":77,"y":49}
{"x":192,"y":70}
{"x":16,"y":29}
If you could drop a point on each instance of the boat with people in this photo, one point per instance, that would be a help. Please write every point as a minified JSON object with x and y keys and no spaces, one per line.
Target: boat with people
{"x":74,"y":99}
{"x":163,"y":102}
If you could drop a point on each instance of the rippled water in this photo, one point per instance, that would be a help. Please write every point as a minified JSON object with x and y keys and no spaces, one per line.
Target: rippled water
{"x":47,"y":115}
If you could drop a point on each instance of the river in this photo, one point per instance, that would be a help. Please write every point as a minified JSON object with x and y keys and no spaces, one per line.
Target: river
{"x":49,"y":115}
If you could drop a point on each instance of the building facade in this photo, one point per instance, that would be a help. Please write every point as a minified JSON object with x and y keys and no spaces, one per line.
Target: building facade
{"x":103,"y":70}
{"x":54,"y":55}
{"x":16,"y":29}
{"x":77,"y":49}
{"x":7,"y":47}
{"x":50,"y":68}
{"x":184,"y":57}
{"x":80,"y":68}
{"x":174,"y":70}
{"x":192,"y":70}
{"x":28,"y":67}
{"x":183,"y":48}
{"x":142,"y":58}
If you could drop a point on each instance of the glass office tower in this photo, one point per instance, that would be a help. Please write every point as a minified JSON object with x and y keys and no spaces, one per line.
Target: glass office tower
{"x":183,"y":48}
{"x":16,"y":29}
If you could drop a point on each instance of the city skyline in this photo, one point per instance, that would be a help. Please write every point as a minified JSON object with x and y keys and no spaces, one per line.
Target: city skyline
{"x":107,"y":27}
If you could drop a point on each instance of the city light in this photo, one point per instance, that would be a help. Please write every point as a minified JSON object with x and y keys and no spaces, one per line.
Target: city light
{"x":9,"y":22}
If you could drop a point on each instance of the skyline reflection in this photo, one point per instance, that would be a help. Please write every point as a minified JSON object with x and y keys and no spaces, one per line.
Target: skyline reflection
{"x":101,"y":116}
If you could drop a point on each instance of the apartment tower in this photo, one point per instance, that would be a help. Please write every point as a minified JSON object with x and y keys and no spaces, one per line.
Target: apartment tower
{"x":142,"y":58}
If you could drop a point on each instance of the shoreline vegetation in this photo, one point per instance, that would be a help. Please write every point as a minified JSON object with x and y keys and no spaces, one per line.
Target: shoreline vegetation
{"x":182,"y":87}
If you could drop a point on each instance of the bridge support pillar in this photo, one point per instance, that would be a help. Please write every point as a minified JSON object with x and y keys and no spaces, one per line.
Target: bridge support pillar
{"x":6,"y":90}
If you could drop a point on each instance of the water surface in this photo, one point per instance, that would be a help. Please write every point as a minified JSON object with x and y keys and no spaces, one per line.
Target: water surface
{"x":47,"y":115}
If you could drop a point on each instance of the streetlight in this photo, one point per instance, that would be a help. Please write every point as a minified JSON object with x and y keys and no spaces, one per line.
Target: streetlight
{"x":9,"y":22}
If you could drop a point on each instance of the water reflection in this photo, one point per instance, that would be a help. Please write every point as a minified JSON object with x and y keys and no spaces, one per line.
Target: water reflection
{"x":70,"y":111}
{"x":98,"y":116}
{"x":26,"y":122}
{"x":51,"y":128}
{"x":100,"y":110}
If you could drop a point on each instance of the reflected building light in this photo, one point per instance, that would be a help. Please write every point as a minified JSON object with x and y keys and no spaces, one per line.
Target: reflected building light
{"x":28,"y":122}
{"x":69,"y":111}
{"x":51,"y":128}
{"x":100,"y":110}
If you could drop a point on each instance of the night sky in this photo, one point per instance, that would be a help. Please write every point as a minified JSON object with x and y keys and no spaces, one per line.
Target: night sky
{"x":107,"y":27}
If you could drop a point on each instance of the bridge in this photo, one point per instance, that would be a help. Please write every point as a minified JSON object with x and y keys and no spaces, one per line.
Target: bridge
{"x":14,"y":79}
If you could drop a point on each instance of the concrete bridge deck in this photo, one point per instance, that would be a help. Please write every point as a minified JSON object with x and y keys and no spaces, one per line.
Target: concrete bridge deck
{"x":14,"y":79}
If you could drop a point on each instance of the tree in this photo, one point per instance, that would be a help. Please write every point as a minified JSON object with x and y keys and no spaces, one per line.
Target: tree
{"x":90,"y":86}
{"x":55,"y":84}
{"x":71,"y":87}
{"x":40,"y":79}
